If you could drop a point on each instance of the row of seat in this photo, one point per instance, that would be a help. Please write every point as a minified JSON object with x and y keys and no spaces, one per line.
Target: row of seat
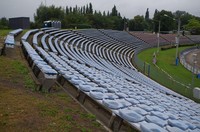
{"x":143,"y":103}
{"x":10,"y":38}
{"x":124,"y":37}
{"x":44,"y":72}
{"x":113,"y":46}
{"x":15,"y":32}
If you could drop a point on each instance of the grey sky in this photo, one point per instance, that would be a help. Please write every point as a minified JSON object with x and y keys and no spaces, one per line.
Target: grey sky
{"x":127,"y":8}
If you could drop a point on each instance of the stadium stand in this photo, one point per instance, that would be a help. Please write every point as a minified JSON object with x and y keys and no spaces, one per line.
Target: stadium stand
{"x":165,"y":39}
{"x":150,"y":38}
{"x":97,"y":64}
{"x":194,"y":38}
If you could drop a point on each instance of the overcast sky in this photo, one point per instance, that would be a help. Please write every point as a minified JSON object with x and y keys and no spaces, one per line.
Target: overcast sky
{"x":127,"y":8}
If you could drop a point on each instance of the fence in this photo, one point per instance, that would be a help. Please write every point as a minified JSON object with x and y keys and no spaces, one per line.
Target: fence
{"x":159,"y":75}
{"x":191,"y":68}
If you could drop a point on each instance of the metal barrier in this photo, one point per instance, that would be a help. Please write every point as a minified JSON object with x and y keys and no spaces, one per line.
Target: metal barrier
{"x":191,"y":68}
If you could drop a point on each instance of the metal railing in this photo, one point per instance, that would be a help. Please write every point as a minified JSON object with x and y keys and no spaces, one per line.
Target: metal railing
{"x":187,"y":65}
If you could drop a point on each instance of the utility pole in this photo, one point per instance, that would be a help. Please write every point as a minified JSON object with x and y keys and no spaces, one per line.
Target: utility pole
{"x":178,"y":39}
{"x":158,"y":37}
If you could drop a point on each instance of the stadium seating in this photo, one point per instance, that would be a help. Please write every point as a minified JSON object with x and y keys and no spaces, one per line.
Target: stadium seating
{"x":15,"y":32}
{"x":97,"y":63}
{"x":194,"y":38}
{"x":28,"y":33}
{"x":10,"y":38}
{"x":165,"y":39}
{"x":45,"y":73}
{"x":10,"y":41}
{"x":35,"y":37}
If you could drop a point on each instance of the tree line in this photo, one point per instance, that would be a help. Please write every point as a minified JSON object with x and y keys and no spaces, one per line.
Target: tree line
{"x":80,"y":17}
{"x":87,"y":17}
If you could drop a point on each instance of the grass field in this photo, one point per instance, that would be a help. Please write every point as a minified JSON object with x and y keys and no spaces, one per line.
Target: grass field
{"x":3,"y":33}
{"x":166,"y":61}
{"x":24,"y":109}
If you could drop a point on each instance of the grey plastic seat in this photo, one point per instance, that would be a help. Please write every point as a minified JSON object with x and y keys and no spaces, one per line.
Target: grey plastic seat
{"x":161,"y":115}
{"x":178,"y":123}
{"x":111,"y":96}
{"x":10,"y":41}
{"x":99,"y":89}
{"x":76,"y":81}
{"x":132,"y":100}
{"x":145,"y":107}
{"x":97,"y":95}
{"x":112,"y":104}
{"x":156,"y":120}
{"x":139,"y":110}
{"x":15,"y":32}
{"x":131,"y":116}
{"x":68,"y":76}
{"x":84,"y":87}
{"x":151,"y":127}
{"x":173,"y":129}
{"x":121,"y":95}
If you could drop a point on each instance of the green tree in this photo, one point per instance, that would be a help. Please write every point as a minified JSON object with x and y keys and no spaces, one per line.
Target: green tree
{"x":90,"y":9}
{"x":131,"y":25}
{"x":193,"y":26}
{"x":44,"y":13}
{"x":147,"y":15}
{"x":139,"y":23}
{"x":184,"y":17}
{"x":67,"y":10}
{"x":114,"y":11}
{"x":4,"y":23}
{"x":147,"y":22}
{"x":167,"y":20}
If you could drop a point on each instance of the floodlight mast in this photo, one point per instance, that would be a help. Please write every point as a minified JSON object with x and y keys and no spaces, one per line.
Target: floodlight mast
{"x":178,"y":38}
{"x":158,"y":37}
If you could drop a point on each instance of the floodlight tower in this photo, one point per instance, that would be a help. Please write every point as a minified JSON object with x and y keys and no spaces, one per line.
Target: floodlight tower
{"x":158,"y":36}
{"x":177,"y":38}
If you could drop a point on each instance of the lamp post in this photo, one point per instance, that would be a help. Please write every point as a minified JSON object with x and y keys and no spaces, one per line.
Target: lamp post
{"x":158,"y":36}
{"x":194,"y":62}
{"x":177,"y":38}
